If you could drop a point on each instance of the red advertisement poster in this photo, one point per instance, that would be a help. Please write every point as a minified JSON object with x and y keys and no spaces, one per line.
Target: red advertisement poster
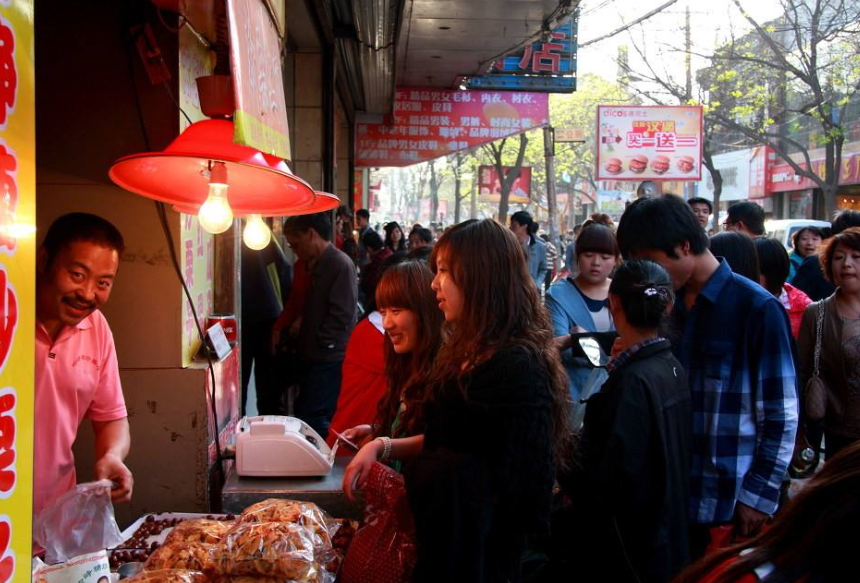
{"x":490,"y":188}
{"x":430,"y":123}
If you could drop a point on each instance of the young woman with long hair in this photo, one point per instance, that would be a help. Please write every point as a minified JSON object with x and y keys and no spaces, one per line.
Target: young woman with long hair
{"x":395,"y":239}
{"x":412,"y":324}
{"x":495,"y":415}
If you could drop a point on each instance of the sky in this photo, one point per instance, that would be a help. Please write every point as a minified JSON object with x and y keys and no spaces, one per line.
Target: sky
{"x":661,"y":35}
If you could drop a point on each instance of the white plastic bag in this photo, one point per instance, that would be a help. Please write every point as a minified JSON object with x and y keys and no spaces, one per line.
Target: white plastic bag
{"x":80,"y":521}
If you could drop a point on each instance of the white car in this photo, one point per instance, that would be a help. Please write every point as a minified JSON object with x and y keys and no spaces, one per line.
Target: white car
{"x":784,"y":229}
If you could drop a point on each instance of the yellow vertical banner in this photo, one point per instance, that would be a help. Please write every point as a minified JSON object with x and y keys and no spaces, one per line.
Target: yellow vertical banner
{"x":196,"y":245}
{"x":17,"y":285}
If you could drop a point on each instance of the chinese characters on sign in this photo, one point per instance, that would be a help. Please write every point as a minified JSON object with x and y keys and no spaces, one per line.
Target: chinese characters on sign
{"x":430,"y":123}
{"x":548,"y":65}
{"x":649,"y":142}
{"x":261,"y":110}
{"x":17,"y":266}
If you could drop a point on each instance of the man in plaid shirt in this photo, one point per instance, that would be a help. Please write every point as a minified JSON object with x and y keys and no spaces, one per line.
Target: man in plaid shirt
{"x":734,"y":340}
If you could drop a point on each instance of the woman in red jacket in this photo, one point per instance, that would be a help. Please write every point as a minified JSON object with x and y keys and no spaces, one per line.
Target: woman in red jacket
{"x":412,"y":324}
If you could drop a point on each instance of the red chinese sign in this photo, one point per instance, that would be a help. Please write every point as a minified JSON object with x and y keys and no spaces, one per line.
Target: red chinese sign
{"x":761,"y":164}
{"x":783,"y":178}
{"x":255,"y":56}
{"x":649,"y":142}
{"x":430,"y":123}
{"x":490,"y":188}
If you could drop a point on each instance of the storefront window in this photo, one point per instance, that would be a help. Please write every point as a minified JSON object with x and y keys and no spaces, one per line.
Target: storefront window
{"x":800,"y":205}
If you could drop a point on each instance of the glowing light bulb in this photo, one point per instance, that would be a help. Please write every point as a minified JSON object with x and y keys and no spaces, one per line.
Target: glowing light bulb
{"x":215,"y":214}
{"x":256,"y":234}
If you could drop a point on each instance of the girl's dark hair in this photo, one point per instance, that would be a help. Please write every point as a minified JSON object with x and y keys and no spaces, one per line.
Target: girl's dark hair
{"x":501,"y":308}
{"x":814,"y":535}
{"x":795,"y":237}
{"x":739,"y":251}
{"x":773,"y":262}
{"x":389,"y":242}
{"x":525,"y":219}
{"x":406,"y":286}
{"x":644,"y":290}
{"x":597,"y":238}
{"x":600,"y":219}
{"x":848,"y":238}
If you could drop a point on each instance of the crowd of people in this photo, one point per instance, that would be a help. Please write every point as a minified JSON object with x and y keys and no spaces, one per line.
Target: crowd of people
{"x":461,"y":374}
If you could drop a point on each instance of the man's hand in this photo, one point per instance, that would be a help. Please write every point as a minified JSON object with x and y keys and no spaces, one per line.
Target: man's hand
{"x":275,"y":340}
{"x":748,"y":520}
{"x":294,"y":329}
{"x":110,"y":467}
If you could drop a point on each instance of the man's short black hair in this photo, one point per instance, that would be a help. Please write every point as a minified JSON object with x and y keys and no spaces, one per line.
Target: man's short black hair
{"x":81,"y":227}
{"x":319,"y":222}
{"x":661,"y":223}
{"x":700,"y":200}
{"x":845,"y":219}
{"x":363,"y":214}
{"x":750,"y":213}
{"x":372,"y":240}
{"x":522,"y":218}
{"x":423,"y":233}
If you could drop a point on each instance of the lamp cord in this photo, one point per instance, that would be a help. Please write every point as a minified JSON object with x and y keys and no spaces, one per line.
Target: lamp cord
{"x":165,"y":226}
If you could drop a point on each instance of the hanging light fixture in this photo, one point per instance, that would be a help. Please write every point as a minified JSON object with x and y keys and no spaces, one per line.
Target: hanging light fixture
{"x":256,"y":234}
{"x":203,"y":165}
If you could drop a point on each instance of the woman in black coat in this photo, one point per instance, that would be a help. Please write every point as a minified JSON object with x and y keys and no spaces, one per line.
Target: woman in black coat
{"x":630,"y":492}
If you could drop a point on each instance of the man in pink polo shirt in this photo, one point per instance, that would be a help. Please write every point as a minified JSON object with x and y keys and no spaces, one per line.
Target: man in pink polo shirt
{"x":76,"y":367}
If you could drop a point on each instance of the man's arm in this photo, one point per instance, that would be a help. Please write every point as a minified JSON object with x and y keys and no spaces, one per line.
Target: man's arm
{"x":341,"y":305}
{"x":542,"y":268}
{"x":774,"y":393}
{"x":113,"y":440}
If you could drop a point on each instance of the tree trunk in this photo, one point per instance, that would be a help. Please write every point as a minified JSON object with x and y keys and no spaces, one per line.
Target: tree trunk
{"x":832,"y":163}
{"x":457,"y":201}
{"x":717,"y":179}
{"x":434,"y":192}
{"x":507,"y":180}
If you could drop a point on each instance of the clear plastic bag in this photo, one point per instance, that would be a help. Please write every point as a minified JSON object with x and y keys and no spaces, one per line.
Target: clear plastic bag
{"x":199,"y":530}
{"x":306,"y":514}
{"x":168,"y":576}
{"x":80,"y":521}
{"x":281,"y":550}
{"x":193,"y":556}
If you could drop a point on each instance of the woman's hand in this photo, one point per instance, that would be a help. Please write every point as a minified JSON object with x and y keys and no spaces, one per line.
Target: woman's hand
{"x":358,"y":469}
{"x":359,"y":435}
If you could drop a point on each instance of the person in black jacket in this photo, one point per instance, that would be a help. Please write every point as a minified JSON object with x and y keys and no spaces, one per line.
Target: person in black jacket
{"x":630,"y":492}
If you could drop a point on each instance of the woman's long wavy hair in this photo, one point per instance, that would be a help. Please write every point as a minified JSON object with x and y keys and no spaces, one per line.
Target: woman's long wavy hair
{"x":501,"y":307}
{"x":406,"y":286}
{"x":815,"y":535}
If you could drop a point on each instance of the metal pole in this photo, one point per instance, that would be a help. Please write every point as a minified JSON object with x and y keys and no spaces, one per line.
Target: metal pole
{"x":549,"y":153}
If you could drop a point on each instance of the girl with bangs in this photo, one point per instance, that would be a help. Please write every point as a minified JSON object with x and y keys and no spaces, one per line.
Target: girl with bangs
{"x":581,"y":304}
{"x":480,"y":477}
{"x":408,"y":316}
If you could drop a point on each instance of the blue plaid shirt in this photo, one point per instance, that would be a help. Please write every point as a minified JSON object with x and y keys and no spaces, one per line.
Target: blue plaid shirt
{"x":737,"y":350}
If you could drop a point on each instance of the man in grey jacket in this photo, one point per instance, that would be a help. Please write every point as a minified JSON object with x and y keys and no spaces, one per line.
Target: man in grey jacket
{"x":328,"y":317}
{"x":524,"y":227}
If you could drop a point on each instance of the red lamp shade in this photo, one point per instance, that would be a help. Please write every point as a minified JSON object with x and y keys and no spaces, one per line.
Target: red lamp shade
{"x":325,"y":201}
{"x":258,"y":183}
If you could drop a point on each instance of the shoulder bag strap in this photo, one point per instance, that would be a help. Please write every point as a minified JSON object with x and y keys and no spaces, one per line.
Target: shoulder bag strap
{"x":819,"y":332}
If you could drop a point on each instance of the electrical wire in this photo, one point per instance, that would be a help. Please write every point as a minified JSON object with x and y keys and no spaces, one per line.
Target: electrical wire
{"x":162,"y":215}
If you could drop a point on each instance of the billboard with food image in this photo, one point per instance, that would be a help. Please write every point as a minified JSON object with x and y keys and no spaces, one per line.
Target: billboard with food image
{"x":649,"y":142}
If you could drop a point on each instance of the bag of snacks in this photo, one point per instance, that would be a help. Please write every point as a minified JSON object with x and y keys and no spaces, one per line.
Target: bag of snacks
{"x":199,"y":530}
{"x":305,"y":514}
{"x":281,"y":550}
{"x":168,"y":576}
{"x":182,"y":555}
{"x":383,"y":548}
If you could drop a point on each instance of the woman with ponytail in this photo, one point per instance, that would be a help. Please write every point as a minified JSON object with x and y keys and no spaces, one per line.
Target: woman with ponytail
{"x":633,"y":470}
